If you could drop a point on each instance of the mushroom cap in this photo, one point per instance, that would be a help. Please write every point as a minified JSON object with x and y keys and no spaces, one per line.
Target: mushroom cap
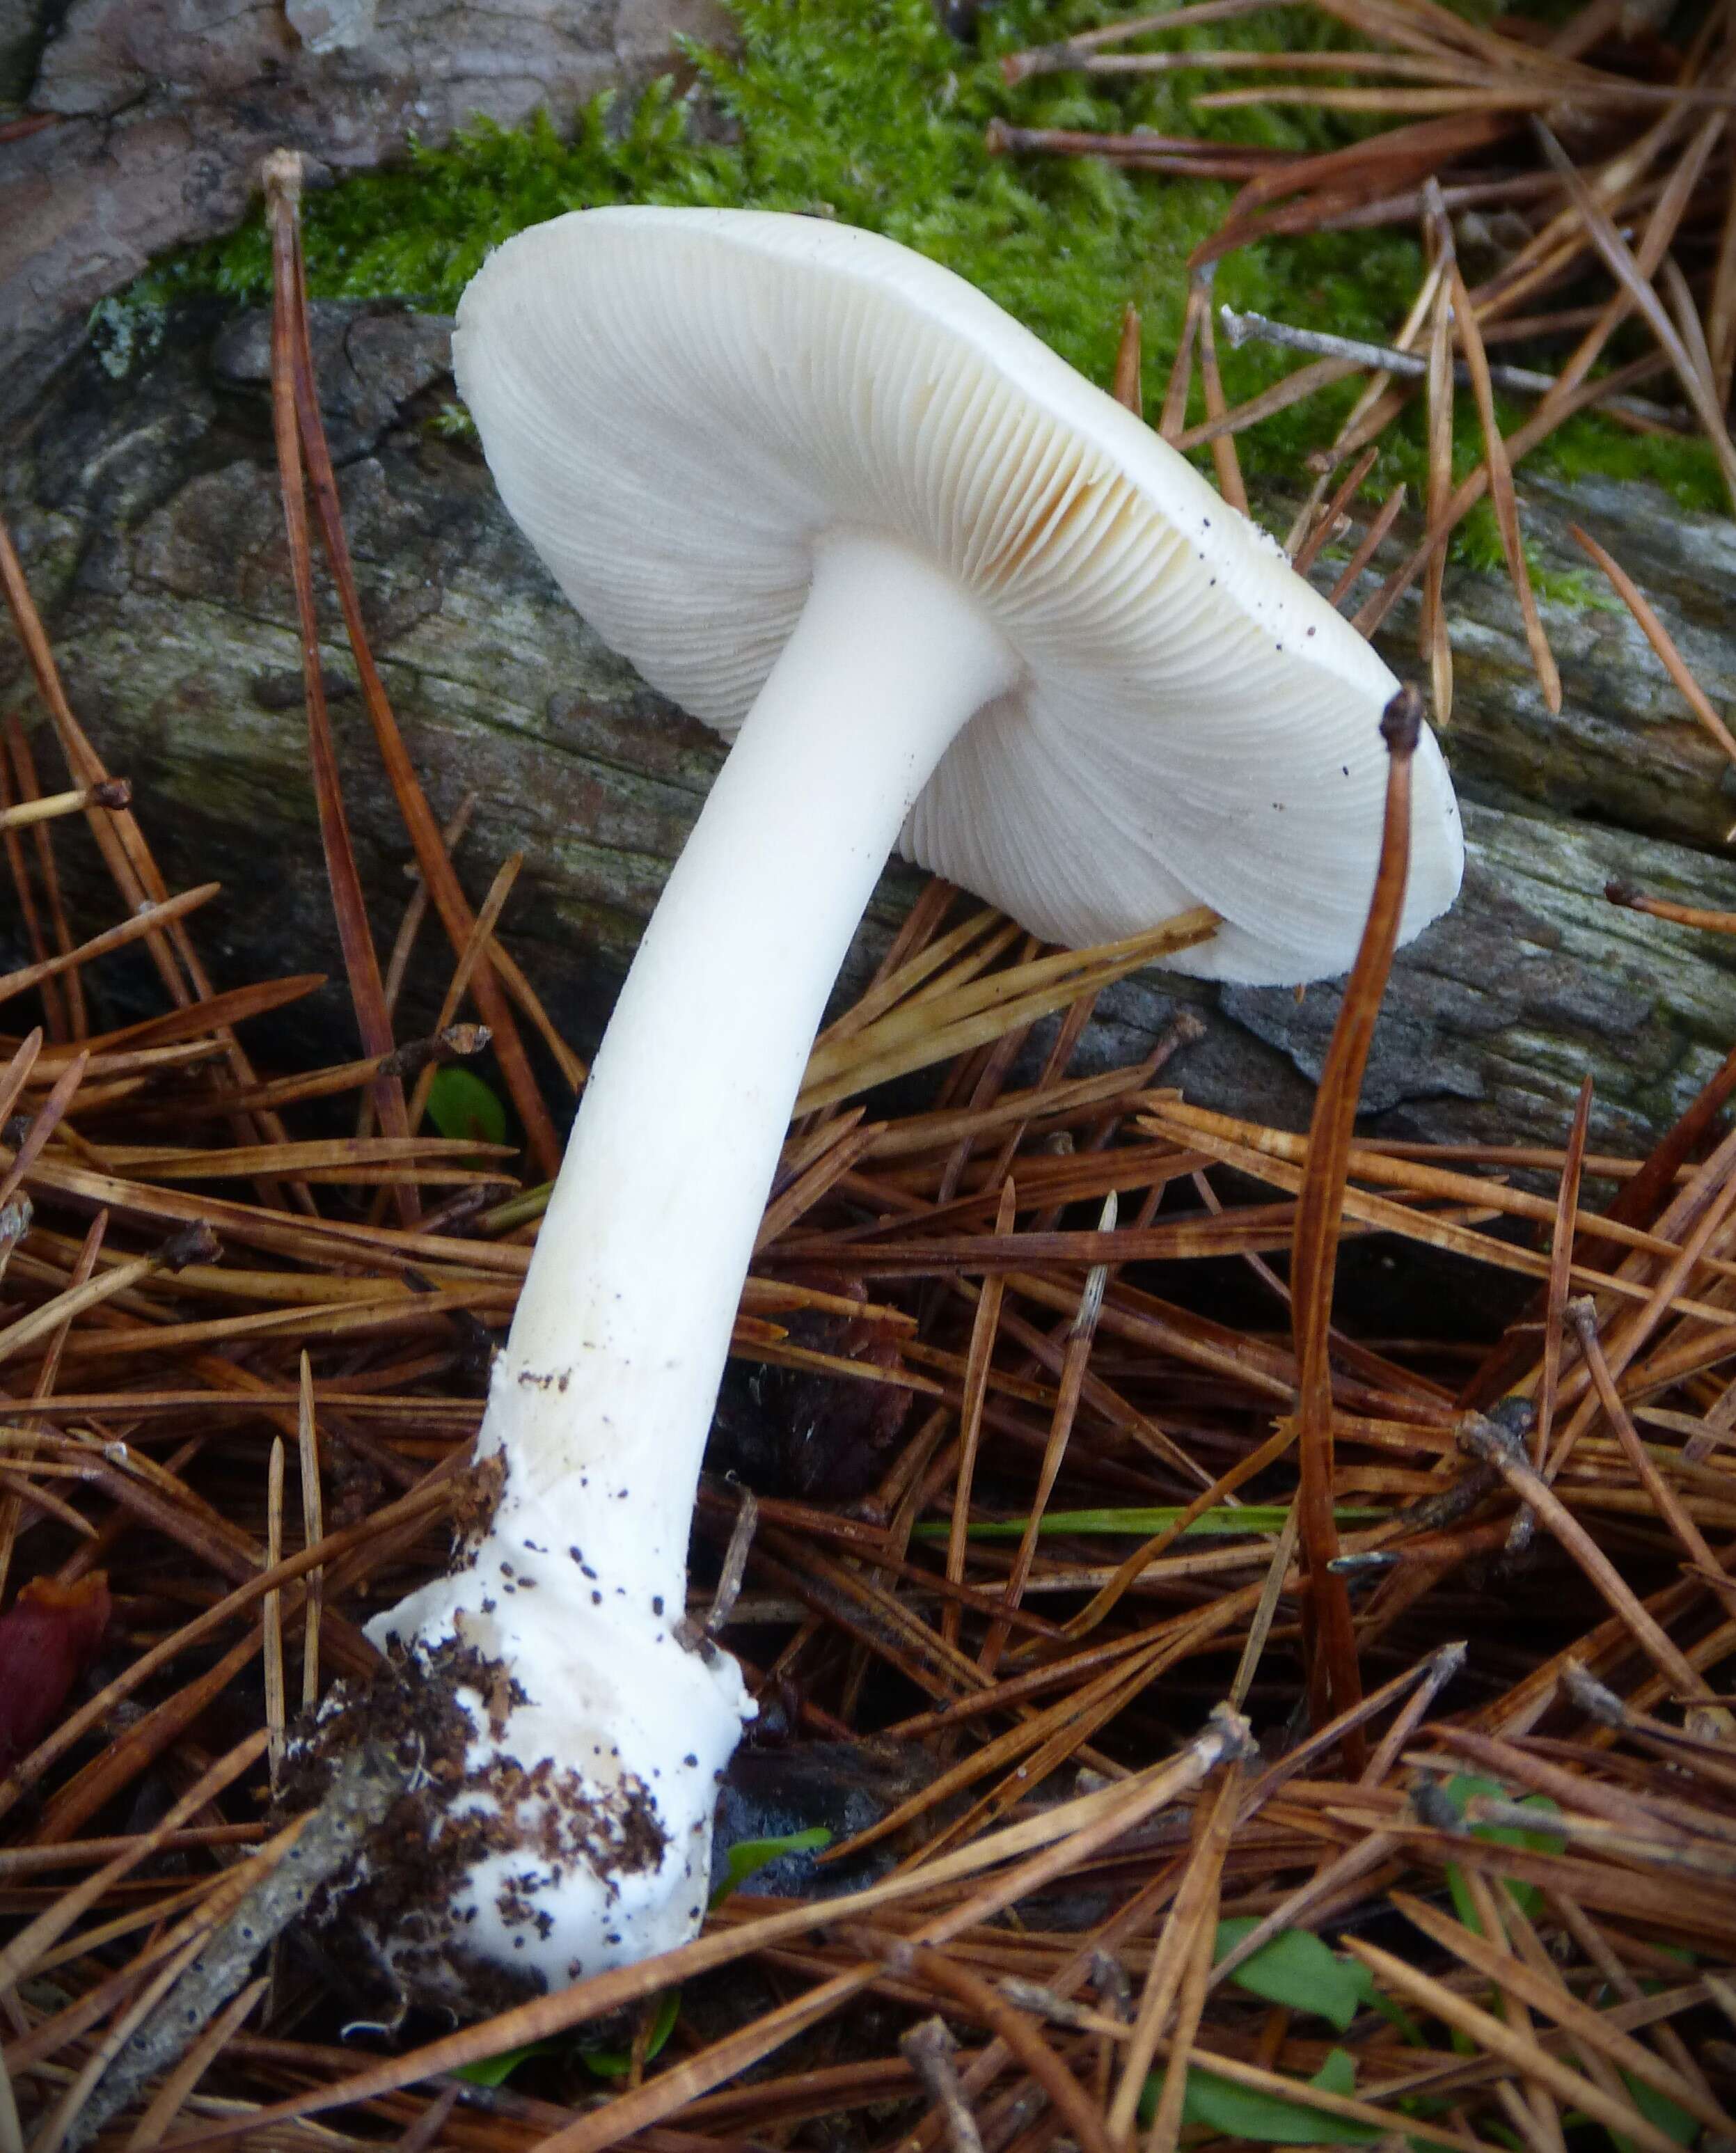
{"x":679,"y":406}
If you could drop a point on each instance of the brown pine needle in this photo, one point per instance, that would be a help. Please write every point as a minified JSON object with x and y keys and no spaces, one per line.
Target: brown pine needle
{"x":1223,"y":441}
{"x":1126,"y":385}
{"x":142,"y":926}
{"x":1484,"y":1440}
{"x":1437,"y":649}
{"x":1039,"y":1848}
{"x":1174,"y":415}
{"x":1172,"y":1978}
{"x":1372,"y":540}
{"x":425,"y":835}
{"x":933,"y":1027}
{"x":1637,"y":287}
{"x":1336,"y":1682}
{"x":1081,"y":1334}
{"x":1294,"y":388}
{"x":1668,"y":1505}
{"x":110,"y":793}
{"x":1658,"y":636}
{"x":282,"y":174}
{"x":1663,"y":908}
{"x":1562,"y":1241}
{"x":1325,"y":523}
{"x":976,"y":1383}
{"x":1496,"y":2037}
{"x":1505,"y":502}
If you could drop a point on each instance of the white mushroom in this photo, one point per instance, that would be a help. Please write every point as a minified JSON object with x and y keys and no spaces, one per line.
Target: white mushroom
{"x":945,"y":595}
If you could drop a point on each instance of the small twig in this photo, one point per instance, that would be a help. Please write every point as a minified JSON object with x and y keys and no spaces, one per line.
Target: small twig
{"x":450,"y":1042}
{"x":16,"y":1215}
{"x":1109,"y":1977}
{"x":928,"y":2048}
{"x":1240,"y":328}
{"x":1190,"y":156}
{"x":1073,"y":52}
{"x":191,"y":1244}
{"x":366,"y":1784}
{"x":989,"y":2003}
{"x":1061,"y":2010}
{"x":167,"y":2102}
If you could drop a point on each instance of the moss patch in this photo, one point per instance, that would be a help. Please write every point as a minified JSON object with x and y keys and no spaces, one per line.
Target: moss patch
{"x":870,"y":111}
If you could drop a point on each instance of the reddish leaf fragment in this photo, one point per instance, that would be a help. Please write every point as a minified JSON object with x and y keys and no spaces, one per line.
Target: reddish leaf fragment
{"x":47,"y":1640}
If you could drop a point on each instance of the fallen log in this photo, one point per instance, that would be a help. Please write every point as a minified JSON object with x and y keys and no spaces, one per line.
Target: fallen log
{"x":147,"y":514}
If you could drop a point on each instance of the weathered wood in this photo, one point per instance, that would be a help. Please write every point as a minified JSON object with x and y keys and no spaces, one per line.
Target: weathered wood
{"x":157,"y":112}
{"x":147,"y":512}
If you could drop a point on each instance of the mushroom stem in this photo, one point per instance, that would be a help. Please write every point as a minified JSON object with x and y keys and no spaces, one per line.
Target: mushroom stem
{"x":558,"y":1639}
{"x":605,"y":1391}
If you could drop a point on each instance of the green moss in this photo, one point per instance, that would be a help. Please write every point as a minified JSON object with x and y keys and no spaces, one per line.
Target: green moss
{"x":1591,"y":447}
{"x":873,"y":114}
{"x":868,"y":110}
{"x":1477,"y":544}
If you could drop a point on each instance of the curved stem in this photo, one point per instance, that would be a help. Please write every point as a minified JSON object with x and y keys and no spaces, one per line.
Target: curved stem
{"x":604,"y":1396}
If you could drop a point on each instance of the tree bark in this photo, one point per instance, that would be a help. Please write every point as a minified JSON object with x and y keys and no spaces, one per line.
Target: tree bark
{"x":146,"y":510}
{"x":149,"y":117}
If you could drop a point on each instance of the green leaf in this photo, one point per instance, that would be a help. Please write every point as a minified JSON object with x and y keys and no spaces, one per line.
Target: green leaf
{"x":744,"y":1859}
{"x":1658,"y":2110}
{"x":747,"y":1857}
{"x":1338,"y":2073}
{"x":616,"y":2062}
{"x":1266,"y":2119}
{"x":1236,"y":1520}
{"x":1460,"y":1790}
{"x":461,"y":1105}
{"x":1295,"y":1969}
{"x":1462,"y":1903}
{"x":495,"y":2070}
{"x":1368,"y":1991}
